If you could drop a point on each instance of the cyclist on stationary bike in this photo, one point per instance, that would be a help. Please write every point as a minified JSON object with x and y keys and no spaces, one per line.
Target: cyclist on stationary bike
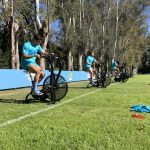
{"x":115,"y":66}
{"x":90,"y":61}
{"x":30,"y":52}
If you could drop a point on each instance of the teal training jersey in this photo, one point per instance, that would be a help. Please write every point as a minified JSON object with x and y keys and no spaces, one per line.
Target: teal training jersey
{"x":89,"y":61}
{"x":30,"y":49}
{"x":114,"y":64}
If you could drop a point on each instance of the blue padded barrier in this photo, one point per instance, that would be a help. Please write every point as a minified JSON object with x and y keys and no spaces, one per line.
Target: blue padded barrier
{"x":12,"y":78}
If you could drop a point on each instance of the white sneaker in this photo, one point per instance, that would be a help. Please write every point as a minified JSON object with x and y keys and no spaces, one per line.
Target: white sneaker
{"x":93,"y":83}
{"x":37,"y":93}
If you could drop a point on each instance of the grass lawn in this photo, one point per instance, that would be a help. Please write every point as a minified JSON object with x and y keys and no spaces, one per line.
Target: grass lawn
{"x":86,"y":119}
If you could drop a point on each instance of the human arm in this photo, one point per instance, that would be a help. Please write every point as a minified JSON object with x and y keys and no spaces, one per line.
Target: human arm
{"x":26,"y":56}
{"x":113,"y":60}
{"x":44,"y":53}
{"x":95,"y":63}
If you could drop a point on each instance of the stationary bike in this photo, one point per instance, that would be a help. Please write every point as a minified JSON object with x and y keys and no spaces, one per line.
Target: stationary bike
{"x":54,"y":86}
{"x":103,"y":78}
{"x":121,"y":75}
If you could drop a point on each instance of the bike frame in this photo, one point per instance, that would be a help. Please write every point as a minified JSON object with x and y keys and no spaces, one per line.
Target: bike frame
{"x":53,"y":81}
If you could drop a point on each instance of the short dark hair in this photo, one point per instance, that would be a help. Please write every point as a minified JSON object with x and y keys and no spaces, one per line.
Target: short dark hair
{"x":37,"y":37}
{"x":89,"y":52}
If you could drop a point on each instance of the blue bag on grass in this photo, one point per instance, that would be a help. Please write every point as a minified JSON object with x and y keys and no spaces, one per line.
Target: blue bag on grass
{"x":141,"y":108}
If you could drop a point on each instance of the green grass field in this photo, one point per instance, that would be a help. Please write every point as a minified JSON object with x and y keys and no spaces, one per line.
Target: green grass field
{"x":86,"y":119}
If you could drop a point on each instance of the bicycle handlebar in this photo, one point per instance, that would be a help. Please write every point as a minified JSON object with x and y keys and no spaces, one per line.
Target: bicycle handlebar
{"x":48,"y":56}
{"x":51,"y":58}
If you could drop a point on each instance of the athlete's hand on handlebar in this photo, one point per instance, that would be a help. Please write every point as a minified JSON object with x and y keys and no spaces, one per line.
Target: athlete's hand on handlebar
{"x":38,"y":56}
{"x":46,"y":55}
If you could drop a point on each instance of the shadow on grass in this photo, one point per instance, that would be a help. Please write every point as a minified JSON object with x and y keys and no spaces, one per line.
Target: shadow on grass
{"x":29,"y":101}
{"x":77,"y":87}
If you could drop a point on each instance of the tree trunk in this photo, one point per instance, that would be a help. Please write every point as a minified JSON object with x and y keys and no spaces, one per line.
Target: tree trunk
{"x":14,"y":38}
{"x":17,"y":63}
{"x":79,"y":60}
{"x":70,"y":60}
{"x":80,"y":14}
{"x":44,"y":28}
{"x":116,"y":34}
{"x":12,"y":45}
{"x":42,"y":60}
{"x":37,"y":16}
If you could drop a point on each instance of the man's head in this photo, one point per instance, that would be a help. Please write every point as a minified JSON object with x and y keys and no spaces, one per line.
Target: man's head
{"x":91,"y":53}
{"x":37,"y":39}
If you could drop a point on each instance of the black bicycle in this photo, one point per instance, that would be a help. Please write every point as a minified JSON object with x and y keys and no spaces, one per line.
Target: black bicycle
{"x":103,"y":78}
{"x":55,"y":86}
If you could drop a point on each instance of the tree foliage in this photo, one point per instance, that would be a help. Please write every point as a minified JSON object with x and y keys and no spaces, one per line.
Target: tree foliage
{"x":102,"y":26}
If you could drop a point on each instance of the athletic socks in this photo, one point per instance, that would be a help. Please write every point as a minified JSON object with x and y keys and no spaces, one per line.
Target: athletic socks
{"x":35,"y":88}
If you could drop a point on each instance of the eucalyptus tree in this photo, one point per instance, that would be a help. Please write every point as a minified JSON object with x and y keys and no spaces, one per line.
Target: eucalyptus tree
{"x":21,"y":19}
{"x":108,"y":27}
{"x":66,"y":12}
{"x":77,"y":28}
{"x":103,"y":27}
{"x":11,"y":27}
{"x":12,"y":22}
{"x":132,"y":32}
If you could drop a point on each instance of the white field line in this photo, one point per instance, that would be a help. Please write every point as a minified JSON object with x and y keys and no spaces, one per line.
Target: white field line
{"x":126,"y":94}
{"x":43,"y":110}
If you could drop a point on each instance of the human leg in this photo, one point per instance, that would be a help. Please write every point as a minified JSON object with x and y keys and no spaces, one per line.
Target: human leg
{"x":38,"y":76}
{"x":92,"y":75}
{"x":42,"y":75}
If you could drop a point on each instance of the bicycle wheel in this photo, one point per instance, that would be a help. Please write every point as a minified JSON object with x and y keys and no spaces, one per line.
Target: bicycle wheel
{"x":104,"y":81}
{"x":107,"y":81}
{"x":61,"y":87}
{"x":100,"y":79}
{"x":125,"y":77}
{"x":99,"y":83}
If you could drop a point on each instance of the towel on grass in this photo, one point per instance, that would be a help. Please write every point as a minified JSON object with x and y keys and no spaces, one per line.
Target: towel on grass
{"x":141,"y":108}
